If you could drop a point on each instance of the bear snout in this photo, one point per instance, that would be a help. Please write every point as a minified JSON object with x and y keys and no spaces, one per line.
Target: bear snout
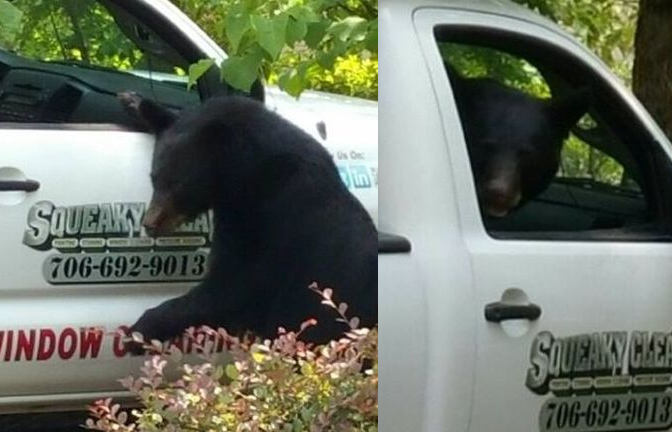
{"x":160,"y":219}
{"x":500,"y":197}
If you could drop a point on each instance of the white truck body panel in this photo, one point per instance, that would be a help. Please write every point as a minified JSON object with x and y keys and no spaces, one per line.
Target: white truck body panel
{"x":47,"y":359}
{"x":443,"y":366}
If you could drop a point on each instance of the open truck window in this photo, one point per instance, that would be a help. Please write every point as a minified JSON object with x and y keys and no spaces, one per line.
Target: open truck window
{"x":66,"y":60}
{"x":609,"y":179}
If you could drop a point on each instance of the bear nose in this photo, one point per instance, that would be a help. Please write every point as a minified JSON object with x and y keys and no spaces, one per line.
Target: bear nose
{"x":151,"y":224}
{"x":151,"y":231}
{"x":500,"y":197}
{"x":499,"y":191}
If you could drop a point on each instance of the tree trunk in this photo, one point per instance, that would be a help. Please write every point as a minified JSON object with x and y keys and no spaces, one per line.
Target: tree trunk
{"x":652,"y":71}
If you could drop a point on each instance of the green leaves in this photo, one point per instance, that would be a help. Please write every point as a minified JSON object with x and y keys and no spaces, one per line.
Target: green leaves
{"x":271,"y":33}
{"x":10,"y":21}
{"x":292,"y":81}
{"x":197,"y":70}
{"x":296,"y":30}
{"x":327,"y":59}
{"x":279,"y":385}
{"x":236,"y":24}
{"x":351,"y":28}
{"x":315,"y":33}
{"x":606,"y":27}
{"x":308,"y":36}
{"x":231,"y":371}
{"x":241,"y":71}
{"x":371,"y":41}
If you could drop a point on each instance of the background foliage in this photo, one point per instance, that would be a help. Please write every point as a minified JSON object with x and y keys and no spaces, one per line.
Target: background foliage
{"x":607,"y":28}
{"x":46,"y":31}
{"x":329,"y":45}
{"x":280,"y":385}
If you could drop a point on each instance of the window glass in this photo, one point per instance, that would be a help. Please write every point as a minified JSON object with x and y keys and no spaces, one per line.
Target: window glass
{"x":85,"y":32}
{"x":549,"y":159}
{"x":71,"y":57}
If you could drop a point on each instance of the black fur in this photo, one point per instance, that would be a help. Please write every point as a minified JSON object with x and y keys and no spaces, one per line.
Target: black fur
{"x":283,"y":219}
{"x":514,"y":140}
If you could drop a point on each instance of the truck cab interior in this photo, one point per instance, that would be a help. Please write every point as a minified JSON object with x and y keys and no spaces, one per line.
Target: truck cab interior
{"x":63,"y":62}
{"x":613,"y":180}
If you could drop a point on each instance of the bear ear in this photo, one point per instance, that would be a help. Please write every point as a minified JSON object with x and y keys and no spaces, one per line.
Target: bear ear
{"x":568,"y":109}
{"x":156,"y":117}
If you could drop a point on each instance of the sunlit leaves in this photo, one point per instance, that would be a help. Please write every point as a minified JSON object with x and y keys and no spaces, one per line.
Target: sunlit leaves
{"x":371,"y":41}
{"x":10,"y":22}
{"x":274,"y":385}
{"x":271,"y":33}
{"x":350,"y":28}
{"x":48,"y":33}
{"x":197,"y":70}
{"x":607,"y":27}
{"x":296,"y":29}
{"x":293,"y":80}
{"x":315,"y":33}
{"x":307,"y":36}
{"x":236,"y":24}
{"x":242,"y":71}
{"x":262,"y":38}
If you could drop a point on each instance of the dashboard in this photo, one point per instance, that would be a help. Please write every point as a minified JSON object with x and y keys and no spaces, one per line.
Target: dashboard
{"x":48,"y":92}
{"x":575,"y":205}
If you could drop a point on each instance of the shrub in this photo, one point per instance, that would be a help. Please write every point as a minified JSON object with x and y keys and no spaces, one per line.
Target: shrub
{"x":281,"y":385}
{"x":351,"y":75}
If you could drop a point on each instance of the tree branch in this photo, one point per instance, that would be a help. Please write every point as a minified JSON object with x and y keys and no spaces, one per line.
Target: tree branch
{"x":77,"y":31}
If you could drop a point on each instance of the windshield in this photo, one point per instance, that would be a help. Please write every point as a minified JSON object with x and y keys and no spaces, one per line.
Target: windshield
{"x":89,"y":34}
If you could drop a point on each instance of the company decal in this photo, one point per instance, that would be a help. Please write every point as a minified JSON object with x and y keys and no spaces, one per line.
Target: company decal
{"x":355,"y":172}
{"x":73,"y":343}
{"x":102,"y":243}
{"x":603,"y":381}
{"x":106,"y":243}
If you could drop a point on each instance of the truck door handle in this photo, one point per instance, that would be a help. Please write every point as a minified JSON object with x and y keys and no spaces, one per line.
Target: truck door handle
{"x":19,"y":185}
{"x":498,"y":311}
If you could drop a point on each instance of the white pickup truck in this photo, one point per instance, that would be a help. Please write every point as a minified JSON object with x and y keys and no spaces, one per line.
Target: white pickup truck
{"x":74,"y":185}
{"x":555,"y":317}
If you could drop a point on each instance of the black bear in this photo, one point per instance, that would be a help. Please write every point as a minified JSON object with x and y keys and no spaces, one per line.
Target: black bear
{"x":282,"y":219}
{"x":513,"y":139}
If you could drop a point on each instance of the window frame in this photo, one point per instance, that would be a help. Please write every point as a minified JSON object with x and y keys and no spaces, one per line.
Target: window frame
{"x":501,"y":32}
{"x":175,"y":35}
{"x":175,"y":31}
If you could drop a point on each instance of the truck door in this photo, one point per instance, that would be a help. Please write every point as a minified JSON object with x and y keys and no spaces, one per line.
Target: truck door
{"x":574,"y":288}
{"x":74,"y":184}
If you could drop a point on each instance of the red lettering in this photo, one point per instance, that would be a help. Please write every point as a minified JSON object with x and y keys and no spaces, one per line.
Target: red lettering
{"x":65,"y":351}
{"x":46,"y":344}
{"x":10,"y":342}
{"x":118,"y":342}
{"x":91,"y":339}
{"x":25,"y":345}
